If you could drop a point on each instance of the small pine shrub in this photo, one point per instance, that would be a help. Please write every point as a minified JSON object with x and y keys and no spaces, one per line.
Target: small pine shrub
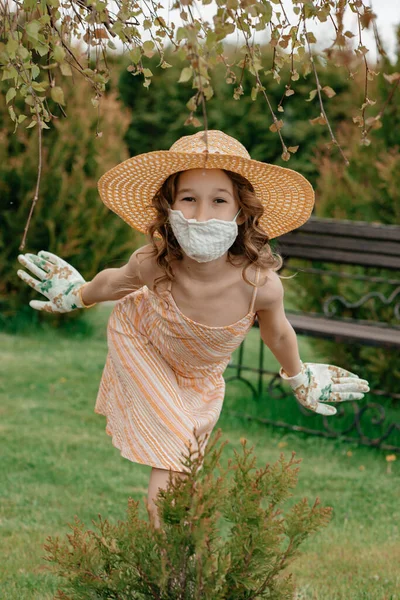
{"x":189,"y":556}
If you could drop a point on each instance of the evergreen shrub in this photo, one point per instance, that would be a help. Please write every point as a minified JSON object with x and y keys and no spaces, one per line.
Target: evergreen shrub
{"x":220,"y":537}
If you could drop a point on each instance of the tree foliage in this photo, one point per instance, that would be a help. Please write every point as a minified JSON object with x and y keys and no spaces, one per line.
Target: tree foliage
{"x":219,"y":537}
{"x":37,"y":54}
{"x":71,"y":221}
{"x":366,"y":190}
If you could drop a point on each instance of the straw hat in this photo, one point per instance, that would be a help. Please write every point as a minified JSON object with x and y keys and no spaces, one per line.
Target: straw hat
{"x":128,"y":188}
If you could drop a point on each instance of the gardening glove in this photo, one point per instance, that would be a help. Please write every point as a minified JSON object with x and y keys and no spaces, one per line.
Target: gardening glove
{"x":317,"y":383}
{"x":59,"y":282}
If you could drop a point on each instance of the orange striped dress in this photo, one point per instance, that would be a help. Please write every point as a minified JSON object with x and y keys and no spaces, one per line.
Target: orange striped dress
{"x":163,"y":377}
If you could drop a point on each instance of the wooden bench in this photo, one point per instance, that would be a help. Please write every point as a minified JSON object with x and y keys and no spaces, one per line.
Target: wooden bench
{"x":340,"y":244}
{"x":352,"y":243}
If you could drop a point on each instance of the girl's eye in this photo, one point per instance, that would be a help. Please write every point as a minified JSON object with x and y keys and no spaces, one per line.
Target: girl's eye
{"x":191,"y":198}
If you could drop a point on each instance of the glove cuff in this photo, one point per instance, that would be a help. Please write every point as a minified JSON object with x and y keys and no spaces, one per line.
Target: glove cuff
{"x":79,"y":292}
{"x":294,"y":378}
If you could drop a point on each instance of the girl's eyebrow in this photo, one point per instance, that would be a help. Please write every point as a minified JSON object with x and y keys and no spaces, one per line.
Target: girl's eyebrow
{"x":215,"y":190}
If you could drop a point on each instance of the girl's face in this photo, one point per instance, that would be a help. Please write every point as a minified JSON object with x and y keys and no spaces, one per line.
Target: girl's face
{"x":204,"y":194}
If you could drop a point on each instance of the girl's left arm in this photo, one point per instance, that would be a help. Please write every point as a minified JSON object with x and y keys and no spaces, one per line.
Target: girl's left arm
{"x":275,"y":330}
{"x":285,"y":349}
{"x":313,"y":384}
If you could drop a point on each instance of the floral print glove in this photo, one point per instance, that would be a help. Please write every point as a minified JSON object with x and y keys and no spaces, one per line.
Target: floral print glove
{"x":59,"y":282}
{"x":318,"y":383}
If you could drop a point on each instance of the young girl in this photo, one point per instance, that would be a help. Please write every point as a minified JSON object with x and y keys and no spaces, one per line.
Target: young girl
{"x":188,"y":298}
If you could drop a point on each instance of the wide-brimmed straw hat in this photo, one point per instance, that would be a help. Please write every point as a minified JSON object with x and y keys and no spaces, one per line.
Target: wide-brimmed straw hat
{"x":128,"y":188}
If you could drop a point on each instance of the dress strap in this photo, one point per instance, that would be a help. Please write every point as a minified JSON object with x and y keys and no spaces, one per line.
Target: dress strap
{"x":169,"y":285}
{"x":254,"y":291}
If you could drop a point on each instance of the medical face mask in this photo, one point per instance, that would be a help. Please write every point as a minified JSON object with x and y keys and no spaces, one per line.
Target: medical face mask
{"x":203,"y":240}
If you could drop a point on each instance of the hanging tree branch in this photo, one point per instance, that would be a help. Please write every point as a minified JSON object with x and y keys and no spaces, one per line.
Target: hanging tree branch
{"x":30,"y":30}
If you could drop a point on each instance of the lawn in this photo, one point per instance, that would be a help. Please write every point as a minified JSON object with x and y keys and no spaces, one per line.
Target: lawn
{"x":57,"y":462}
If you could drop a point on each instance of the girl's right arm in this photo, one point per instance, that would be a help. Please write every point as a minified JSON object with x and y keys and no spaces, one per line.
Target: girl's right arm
{"x":115,"y":283}
{"x":67,"y":290}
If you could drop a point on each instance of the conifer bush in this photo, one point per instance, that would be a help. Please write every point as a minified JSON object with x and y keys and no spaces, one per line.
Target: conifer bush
{"x":220,"y":537}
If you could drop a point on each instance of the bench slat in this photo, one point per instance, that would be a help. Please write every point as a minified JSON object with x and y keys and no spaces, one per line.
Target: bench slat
{"x":338,"y":256}
{"x":358,"y":229}
{"x":326,"y":241}
{"x":371,"y":335}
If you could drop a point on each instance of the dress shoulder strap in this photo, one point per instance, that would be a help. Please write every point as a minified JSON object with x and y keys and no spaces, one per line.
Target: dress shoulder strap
{"x":253,"y":298}
{"x":169,"y":285}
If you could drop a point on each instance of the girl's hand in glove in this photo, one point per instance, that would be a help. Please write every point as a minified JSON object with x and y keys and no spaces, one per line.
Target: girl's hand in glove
{"x":59,"y":282}
{"x":317,"y":383}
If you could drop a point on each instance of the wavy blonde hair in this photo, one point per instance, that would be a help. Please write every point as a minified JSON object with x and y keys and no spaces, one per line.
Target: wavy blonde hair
{"x":252,"y":243}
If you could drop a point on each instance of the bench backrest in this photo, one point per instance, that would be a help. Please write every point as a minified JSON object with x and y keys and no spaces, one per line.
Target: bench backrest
{"x":337,"y":241}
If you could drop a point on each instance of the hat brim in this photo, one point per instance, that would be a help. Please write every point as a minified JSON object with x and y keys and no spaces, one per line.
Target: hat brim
{"x":128,"y":188}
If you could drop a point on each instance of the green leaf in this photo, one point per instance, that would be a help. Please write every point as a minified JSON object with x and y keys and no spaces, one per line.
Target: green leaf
{"x":186,"y":74}
{"x":32,"y":29}
{"x":65,"y":69}
{"x":11,"y":47}
{"x":59,"y":53}
{"x":10,"y":94}
{"x":135,"y":54}
{"x":267,"y":11}
{"x":9,"y":73}
{"x":199,"y":81}
{"x":191,"y":104}
{"x":57,"y":95}
{"x":208,"y":92}
{"x":311,"y":37}
{"x":40,"y":86}
{"x":12,"y":113}
{"x":42,"y":48}
{"x":23,"y":52}
{"x":313,"y":93}
{"x":147,"y":73}
{"x":149,"y":45}
{"x":181,"y":34}
{"x":35,"y":71}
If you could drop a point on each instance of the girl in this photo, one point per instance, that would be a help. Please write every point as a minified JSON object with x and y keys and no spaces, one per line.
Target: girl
{"x":186,"y":300}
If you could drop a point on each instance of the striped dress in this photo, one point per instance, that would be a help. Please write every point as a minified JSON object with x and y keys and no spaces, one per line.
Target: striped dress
{"x":163,"y":377}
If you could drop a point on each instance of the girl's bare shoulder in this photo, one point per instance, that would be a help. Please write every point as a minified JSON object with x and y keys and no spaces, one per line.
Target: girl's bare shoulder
{"x":270,"y":290}
{"x":149,"y":269}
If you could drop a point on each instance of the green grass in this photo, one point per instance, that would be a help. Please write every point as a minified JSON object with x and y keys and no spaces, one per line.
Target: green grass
{"x":57,"y":462}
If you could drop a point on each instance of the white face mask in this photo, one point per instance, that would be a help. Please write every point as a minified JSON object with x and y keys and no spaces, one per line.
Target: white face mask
{"x":203,"y":240}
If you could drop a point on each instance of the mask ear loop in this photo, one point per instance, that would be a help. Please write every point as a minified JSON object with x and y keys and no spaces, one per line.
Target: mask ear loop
{"x":168,"y":254}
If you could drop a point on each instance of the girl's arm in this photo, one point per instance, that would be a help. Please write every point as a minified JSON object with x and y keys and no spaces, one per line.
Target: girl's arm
{"x":313,"y":384}
{"x":275,"y":330}
{"x":113,"y":284}
{"x":63,"y":285}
